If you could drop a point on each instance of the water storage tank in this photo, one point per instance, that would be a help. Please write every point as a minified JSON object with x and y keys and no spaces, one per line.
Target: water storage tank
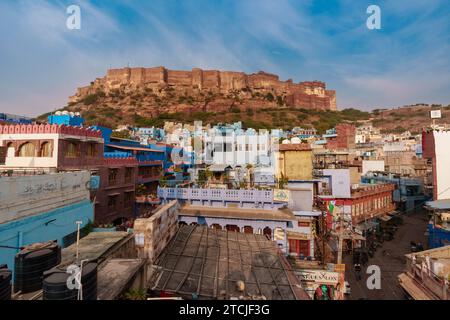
{"x":55,"y":285}
{"x":5,"y":282}
{"x":31,"y":262}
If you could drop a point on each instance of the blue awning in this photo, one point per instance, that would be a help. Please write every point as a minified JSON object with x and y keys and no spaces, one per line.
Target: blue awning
{"x":438,"y":204}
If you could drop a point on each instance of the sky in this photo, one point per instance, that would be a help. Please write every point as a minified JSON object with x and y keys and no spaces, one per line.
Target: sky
{"x":407,"y":61}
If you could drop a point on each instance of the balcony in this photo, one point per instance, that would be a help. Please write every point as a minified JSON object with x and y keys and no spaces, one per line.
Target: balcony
{"x":147,"y":200}
{"x":222,"y":197}
{"x":148,"y":178}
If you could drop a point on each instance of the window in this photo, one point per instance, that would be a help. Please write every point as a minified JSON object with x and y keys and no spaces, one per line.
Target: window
{"x":72,"y":150}
{"x":278,"y":234}
{"x":128,"y":174}
{"x":112,"y":202}
{"x":27,"y":150}
{"x":92,"y":150}
{"x":218,"y":147}
{"x":303,"y":224}
{"x":112,"y":176}
{"x":46,"y":150}
{"x":128,"y":199}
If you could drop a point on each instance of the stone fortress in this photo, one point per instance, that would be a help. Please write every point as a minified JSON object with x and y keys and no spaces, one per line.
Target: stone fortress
{"x":311,"y":94}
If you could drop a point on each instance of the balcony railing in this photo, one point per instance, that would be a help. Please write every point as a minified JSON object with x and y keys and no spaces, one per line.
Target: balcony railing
{"x":264,"y":196}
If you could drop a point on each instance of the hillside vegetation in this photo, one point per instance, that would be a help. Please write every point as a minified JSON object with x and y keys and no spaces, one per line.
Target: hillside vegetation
{"x":255,"y":110}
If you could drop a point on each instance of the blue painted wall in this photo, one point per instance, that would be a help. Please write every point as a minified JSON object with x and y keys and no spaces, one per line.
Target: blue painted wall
{"x":437,"y":237}
{"x":52,"y":225}
{"x":65,"y":119}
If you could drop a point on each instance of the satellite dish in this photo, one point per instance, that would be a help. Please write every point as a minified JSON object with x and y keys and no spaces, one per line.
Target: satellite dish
{"x":58,"y":113}
{"x":71,"y":114}
{"x":65,"y":112}
{"x":286,"y":141}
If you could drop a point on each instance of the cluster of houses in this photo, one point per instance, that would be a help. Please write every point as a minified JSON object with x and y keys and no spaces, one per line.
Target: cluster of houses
{"x":314,"y":196}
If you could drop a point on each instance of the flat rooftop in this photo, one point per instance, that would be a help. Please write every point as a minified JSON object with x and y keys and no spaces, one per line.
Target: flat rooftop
{"x":209,"y":263}
{"x":237,"y":213}
{"x":94,"y":246}
{"x":115,"y":276}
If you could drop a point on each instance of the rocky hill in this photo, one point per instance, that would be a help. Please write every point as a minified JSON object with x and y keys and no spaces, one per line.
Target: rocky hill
{"x":150,"y":96}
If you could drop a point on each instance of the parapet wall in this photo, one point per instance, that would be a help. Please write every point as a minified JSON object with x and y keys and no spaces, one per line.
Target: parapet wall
{"x":153,"y":234}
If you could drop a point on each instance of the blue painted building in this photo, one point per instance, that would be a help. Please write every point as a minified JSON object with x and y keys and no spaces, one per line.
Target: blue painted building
{"x":14,"y":119}
{"x":439,"y":225}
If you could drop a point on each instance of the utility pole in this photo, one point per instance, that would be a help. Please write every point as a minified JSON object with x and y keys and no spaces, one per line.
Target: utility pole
{"x":341,"y":237}
{"x":78,"y":236}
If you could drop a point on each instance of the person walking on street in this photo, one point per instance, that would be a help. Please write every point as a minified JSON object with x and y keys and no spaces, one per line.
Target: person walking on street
{"x":358,"y":271}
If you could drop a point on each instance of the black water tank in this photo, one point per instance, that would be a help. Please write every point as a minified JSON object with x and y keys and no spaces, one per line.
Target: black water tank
{"x":55,"y":284}
{"x":5,"y":282}
{"x":31,"y":262}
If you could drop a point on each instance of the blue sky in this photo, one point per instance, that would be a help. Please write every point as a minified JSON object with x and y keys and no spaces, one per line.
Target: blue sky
{"x":407,"y":61}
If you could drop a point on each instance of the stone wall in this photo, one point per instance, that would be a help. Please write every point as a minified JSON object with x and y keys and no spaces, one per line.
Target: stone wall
{"x":154,"y":234}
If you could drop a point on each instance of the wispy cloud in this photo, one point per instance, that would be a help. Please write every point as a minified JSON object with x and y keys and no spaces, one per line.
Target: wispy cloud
{"x":42,"y":62}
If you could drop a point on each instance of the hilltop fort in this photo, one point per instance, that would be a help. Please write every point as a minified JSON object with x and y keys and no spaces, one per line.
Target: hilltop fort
{"x":224,"y":84}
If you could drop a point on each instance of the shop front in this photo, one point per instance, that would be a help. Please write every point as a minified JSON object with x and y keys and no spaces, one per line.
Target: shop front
{"x":320,"y":284}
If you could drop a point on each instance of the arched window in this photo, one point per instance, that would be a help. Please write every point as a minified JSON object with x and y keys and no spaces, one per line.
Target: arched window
{"x":46,"y":150}
{"x":232,"y":228}
{"x":216,"y":226}
{"x":27,"y":150}
{"x":268,"y":232}
{"x":248,"y":229}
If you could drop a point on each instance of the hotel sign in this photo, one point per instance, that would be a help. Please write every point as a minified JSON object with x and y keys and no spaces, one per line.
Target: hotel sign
{"x":435,"y":114}
{"x":281,"y":195}
{"x":319,"y":276}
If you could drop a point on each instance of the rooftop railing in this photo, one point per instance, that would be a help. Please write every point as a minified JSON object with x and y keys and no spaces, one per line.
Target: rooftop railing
{"x":235,"y":195}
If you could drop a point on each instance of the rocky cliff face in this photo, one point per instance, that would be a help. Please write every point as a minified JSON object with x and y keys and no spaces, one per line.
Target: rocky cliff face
{"x":210,"y":83}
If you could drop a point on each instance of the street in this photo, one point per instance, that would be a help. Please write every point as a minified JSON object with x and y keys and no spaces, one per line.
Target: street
{"x":390,"y":258}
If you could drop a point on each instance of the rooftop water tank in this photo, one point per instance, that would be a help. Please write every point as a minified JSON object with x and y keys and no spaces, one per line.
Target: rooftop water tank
{"x":5,"y":282}
{"x":31,"y":262}
{"x":59,"y":284}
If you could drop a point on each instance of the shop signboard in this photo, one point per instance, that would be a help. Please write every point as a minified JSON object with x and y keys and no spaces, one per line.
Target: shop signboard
{"x":339,"y":267}
{"x":319,"y":276}
{"x":281,"y":195}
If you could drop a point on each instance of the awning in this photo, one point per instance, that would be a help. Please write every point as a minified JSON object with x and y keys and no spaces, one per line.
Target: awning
{"x":350,"y":236}
{"x":367,"y":225}
{"x":385,"y":218}
{"x":438,"y":204}
{"x":133,"y":148}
